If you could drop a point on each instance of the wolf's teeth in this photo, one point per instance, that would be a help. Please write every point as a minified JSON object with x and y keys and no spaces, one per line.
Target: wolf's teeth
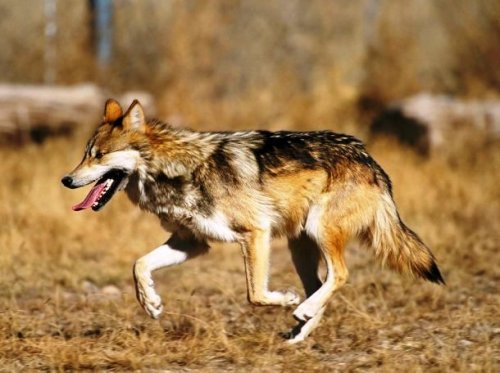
{"x":108,"y":184}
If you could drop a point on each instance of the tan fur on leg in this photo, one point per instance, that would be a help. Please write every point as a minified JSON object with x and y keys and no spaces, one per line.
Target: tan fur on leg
{"x":256,"y":253}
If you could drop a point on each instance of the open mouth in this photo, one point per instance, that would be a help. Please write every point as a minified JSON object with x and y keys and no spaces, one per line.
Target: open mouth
{"x":102,"y":191}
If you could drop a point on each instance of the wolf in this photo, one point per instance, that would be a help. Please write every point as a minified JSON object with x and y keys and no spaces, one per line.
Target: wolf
{"x":318,"y":189}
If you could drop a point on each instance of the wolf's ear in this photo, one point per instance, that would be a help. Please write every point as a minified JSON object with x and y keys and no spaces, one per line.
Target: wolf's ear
{"x":134,"y":118}
{"x":112,"y":111}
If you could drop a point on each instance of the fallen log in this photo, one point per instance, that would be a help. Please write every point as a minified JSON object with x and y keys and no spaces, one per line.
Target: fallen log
{"x":31,"y":112}
{"x":428,"y":122}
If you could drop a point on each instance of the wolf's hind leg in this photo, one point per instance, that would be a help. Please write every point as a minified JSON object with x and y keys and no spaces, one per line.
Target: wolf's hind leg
{"x":180,"y":247}
{"x":331,"y":243}
{"x":306,"y":256}
{"x":256,"y":253}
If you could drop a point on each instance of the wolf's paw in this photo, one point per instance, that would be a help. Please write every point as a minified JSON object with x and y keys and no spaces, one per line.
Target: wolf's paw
{"x":288,"y":298}
{"x":293,"y":335}
{"x":152,"y":304}
{"x":149,"y":300}
{"x":291,"y":339}
{"x":305,"y":312}
{"x":300,"y":331}
{"x":291,"y":299}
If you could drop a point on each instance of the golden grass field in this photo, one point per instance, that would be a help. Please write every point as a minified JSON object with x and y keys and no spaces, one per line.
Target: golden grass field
{"x":67,"y":300}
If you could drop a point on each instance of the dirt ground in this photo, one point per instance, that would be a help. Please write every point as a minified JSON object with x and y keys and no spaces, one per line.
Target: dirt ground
{"x":67,"y":300}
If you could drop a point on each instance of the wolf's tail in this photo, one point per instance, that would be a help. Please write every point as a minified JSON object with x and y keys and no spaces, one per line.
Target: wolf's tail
{"x":397,"y":245}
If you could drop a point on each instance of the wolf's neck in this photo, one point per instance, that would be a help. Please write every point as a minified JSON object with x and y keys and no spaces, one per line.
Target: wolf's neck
{"x":177,"y":152}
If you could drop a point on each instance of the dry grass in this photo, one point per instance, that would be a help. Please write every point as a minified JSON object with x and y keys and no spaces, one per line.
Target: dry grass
{"x":56,"y":312}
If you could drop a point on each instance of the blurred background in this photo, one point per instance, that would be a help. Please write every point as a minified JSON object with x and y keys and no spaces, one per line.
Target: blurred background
{"x":418,"y":80}
{"x":285,"y":63}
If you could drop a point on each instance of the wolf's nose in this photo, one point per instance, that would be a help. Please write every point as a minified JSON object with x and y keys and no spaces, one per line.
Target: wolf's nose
{"x":67,"y":181}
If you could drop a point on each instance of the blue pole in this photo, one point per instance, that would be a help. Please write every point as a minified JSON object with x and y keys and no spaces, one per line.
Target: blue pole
{"x":50,"y":57}
{"x":103,"y":13}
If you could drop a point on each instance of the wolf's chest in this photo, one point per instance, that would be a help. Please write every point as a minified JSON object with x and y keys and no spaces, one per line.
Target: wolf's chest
{"x":183,"y":204}
{"x":216,"y":226}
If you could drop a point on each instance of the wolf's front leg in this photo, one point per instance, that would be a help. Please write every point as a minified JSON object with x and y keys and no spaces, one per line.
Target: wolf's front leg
{"x":256,"y":253}
{"x":180,"y":247}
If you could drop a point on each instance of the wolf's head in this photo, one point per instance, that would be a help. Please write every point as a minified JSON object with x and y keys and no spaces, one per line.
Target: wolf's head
{"x":111,"y":155}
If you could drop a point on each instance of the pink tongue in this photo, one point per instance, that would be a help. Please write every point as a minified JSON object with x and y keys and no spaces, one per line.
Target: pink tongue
{"x":91,"y":197}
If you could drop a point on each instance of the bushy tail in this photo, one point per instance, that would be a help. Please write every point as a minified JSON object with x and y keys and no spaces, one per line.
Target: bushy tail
{"x":397,"y":245}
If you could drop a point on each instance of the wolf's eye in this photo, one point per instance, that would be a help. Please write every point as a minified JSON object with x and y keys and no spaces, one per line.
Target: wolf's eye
{"x":98,"y":155}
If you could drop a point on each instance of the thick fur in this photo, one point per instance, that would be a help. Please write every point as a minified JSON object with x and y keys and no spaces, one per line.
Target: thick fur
{"x":319,"y":189}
